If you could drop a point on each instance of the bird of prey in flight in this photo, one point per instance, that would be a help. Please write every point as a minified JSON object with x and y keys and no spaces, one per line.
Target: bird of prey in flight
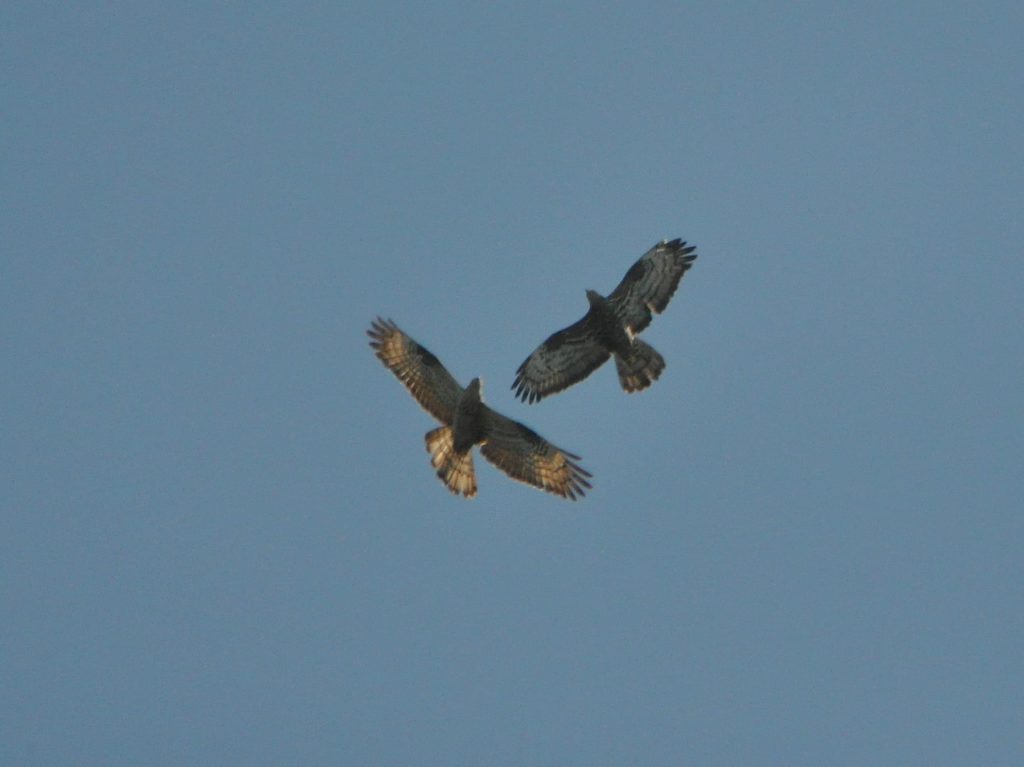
{"x":609,"y":329}
{"x":466,"y":421}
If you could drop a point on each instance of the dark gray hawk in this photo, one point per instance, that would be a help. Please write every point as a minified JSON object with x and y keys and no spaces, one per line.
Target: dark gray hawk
{"x":609,"y":328}
{"x":515,"y":449}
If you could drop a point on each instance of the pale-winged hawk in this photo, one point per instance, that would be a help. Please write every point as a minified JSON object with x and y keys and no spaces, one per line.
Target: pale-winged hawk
{"x":515,"y":449}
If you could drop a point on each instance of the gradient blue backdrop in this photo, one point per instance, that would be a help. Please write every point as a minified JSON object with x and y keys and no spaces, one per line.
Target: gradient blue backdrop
{"x":222,"y":542}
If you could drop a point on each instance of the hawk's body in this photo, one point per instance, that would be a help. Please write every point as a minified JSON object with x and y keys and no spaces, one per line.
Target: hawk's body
{"x":514,"y":448}
{"x":609,"y":329}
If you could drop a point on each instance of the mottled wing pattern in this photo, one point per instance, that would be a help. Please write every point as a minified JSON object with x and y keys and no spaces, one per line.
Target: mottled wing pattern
{"x":421,"y":372}
{"x":568,"y":356}
{"x":526,"y":456}
{"x":651,"y":282}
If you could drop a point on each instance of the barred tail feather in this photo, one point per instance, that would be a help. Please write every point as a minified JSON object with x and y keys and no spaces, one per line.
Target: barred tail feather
{"x":456,"y":471}
{"x":641,"y":368}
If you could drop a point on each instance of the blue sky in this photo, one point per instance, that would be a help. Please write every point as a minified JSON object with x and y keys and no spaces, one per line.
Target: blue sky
{"x":222,"y":540}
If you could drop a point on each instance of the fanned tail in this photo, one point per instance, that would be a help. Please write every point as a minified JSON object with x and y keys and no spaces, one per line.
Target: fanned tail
{"x":641,"y":368}
{"x":456,"y":471}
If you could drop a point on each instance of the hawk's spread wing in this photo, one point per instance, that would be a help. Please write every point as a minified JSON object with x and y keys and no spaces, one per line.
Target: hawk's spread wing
{"x":524,"y":455}
{"x":568,"y":356}
{"x":421,"y":372}
{"x":651,"y":282}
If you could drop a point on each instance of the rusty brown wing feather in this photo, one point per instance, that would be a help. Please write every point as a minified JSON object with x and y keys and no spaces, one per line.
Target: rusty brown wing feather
{"x":565,"y":358}
{"x":651,"y":282}
{"x":526,"y":456}
{"x":421,"y":372}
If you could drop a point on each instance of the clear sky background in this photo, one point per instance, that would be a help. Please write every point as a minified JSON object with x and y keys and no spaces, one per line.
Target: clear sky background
{"x":222,"y":542}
